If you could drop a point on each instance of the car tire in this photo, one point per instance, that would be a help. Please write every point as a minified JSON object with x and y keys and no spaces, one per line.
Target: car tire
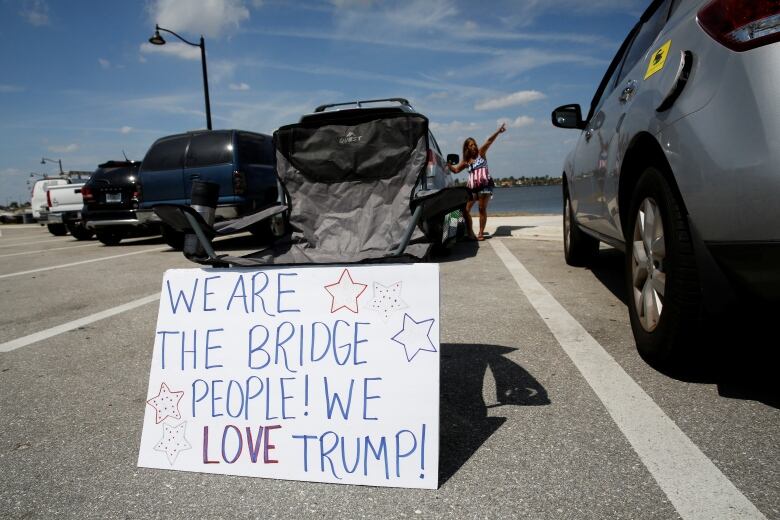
{"x":58,"y":230}
{"x":79,"y":231}
{"x":579,"y":248}
{"x":664,"y":296}
{"x":109,"y":238}
{"x":174,"y":239}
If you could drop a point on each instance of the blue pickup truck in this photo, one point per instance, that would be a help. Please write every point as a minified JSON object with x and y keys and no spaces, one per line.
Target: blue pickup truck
{"x":242,"y":163}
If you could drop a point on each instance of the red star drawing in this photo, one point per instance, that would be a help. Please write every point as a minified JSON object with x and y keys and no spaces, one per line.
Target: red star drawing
{"x":166,"y":403}
{"x":345,"y":293}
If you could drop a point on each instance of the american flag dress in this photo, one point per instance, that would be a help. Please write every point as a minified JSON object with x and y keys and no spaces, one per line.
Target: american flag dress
{"x":479,"y":178}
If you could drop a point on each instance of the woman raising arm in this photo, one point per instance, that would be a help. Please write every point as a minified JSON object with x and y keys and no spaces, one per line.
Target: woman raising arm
{"x":479,"y":183}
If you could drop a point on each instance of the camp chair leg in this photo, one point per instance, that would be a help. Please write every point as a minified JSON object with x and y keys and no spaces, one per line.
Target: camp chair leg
{"x":409,"y":231}
{"x":202,"y":237}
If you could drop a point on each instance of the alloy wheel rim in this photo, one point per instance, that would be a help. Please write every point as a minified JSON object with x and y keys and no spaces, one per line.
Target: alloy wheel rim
{"x":648,"y":253}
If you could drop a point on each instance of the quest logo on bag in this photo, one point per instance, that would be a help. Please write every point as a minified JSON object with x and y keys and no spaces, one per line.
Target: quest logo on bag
{"x":350,"y":138}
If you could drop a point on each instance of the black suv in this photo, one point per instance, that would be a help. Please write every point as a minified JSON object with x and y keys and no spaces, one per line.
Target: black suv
{"x":110,"y":203}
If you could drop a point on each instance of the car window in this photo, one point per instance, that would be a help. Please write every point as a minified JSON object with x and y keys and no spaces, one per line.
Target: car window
{"x":166,"y":154}
{"x":210,"y":148}
{"x":254,"y":150}
{"x":645,"y":37}
{"x":607,"y":84}
{"x":435,"y":144}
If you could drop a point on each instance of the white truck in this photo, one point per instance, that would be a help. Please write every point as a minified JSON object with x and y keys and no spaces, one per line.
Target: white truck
{"x":64,"y":204}
{"x":38,"y":204}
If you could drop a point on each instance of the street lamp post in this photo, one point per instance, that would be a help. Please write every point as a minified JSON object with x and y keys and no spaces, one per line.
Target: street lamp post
{"x":156,"y":39}
{"x":44,"y":160}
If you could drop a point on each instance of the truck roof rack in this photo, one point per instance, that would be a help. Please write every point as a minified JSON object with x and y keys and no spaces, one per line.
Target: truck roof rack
{"x":359,"y":103}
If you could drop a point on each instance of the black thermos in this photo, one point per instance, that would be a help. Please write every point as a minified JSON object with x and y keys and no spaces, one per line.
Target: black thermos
{"x":203,"y":197}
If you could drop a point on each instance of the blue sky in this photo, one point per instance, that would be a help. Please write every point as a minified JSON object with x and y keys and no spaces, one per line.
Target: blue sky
{"x":80,"y":82}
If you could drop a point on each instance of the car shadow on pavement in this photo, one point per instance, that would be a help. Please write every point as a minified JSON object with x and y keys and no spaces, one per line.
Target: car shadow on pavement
{"x":140,"y":241}
{"x":739,"y":354}
{"x":608,"y":269}
{"x":506,"y":231}
{"x":464,"y":421}
{"x":460,"y":251}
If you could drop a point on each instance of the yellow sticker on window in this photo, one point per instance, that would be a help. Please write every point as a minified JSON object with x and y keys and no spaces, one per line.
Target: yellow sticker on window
{"x":658,"y":59}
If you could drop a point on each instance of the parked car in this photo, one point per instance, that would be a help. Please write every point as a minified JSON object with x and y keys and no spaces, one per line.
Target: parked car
{"x":676,"y":164}
{"x":64,"y":206}
{"x":241,"y":162}
{"x":437,"y":175}
{"x":39,"y":204}
{"x":111,"y":199}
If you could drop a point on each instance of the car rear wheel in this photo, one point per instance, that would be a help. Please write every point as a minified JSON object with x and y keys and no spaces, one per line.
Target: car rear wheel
{"x":664,"y":297}
{"x":79,"y":231}
{"x":109,"y":238}
{"x":58,"y":230}
{"x":174,"y":239}
{"x":579,"y":248}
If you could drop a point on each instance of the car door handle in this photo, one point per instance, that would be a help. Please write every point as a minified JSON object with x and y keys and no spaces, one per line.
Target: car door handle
{"x":628,"y":91}
{"x":194,"y":176}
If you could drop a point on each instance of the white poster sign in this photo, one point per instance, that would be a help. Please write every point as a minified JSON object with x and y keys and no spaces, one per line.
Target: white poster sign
{"x":327,"y":374}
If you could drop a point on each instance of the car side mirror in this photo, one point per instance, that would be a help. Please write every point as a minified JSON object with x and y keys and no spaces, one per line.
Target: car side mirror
{"x":453,"y":158}
{"x":568,"y":116}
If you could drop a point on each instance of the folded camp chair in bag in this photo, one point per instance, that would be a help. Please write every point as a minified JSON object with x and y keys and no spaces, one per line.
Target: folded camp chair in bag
{"x":352,"y":188}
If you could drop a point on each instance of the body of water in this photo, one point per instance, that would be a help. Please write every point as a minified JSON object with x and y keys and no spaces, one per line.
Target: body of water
{"x":526,"y":199}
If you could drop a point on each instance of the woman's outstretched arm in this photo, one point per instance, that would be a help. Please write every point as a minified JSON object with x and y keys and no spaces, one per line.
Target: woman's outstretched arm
{"x":484,"y":148}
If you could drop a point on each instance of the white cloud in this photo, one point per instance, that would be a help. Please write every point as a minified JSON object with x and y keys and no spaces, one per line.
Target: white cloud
{"x":527,"y":12}
{"x":347,"y":4}
{"x":239,"y":86}
{"x":177,"y":104}
{"x":104,"y":63}
{"x":7,"y":89}
{"x":394,"y":20}
{"x":36,"y":12}
{"x":454,"y":127}
{"x":516,"y":62}
{"x":221,"y":70}
{"x":178,"y":49}
{"x":68,"y":148}
{"x":517,"y":98}
{"x":210,"y":18}
{"x":125,"y":129}
{"x":518,"y":122}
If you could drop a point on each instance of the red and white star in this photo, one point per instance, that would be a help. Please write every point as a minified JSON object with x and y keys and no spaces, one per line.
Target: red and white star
{"x":345,"y":293}
{"x":166,"y":404}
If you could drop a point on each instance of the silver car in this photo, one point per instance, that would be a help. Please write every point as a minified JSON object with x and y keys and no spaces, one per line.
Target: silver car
{"x":678,"y":165}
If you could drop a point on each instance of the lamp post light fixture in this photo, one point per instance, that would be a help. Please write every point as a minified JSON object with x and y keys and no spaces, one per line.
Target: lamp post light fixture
{"x":156,"y":39}
{"x":44,"y":160}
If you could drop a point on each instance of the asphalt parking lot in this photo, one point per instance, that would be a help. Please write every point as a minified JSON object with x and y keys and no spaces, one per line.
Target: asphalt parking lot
{"x":547,"y":411}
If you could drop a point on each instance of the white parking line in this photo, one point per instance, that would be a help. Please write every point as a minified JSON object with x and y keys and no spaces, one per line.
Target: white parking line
{"x":20,"y":273}
{"x":8,"y":346}
{"x":695,"y":486}
{"x":45,"y":241}
{"x":46,"y":250}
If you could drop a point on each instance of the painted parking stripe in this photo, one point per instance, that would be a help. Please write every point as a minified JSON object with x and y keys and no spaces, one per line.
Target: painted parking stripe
{"x":46,"y":250}
{"x":8,"y":346}
{"x":61,"y":266}
{"x":695,"y":486}
{"x":5,"y":243}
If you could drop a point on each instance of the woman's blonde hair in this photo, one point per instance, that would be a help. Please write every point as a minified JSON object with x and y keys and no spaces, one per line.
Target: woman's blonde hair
{"x":466,"y":147}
